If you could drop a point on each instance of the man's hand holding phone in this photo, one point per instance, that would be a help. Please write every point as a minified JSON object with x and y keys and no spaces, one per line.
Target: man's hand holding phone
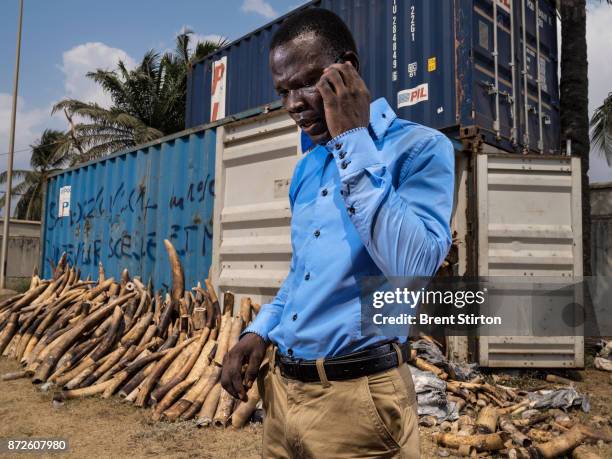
{"x":345,"y":97}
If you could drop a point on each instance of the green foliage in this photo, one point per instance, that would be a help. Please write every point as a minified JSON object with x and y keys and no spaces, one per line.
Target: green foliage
{"x":148,"y":102}
{"x":601,"y":128}
{"x":46,"y":158}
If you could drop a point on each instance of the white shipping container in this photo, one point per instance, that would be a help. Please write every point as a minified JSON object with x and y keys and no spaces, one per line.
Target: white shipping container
{"x":527,"y":223}
{"x":252,"y":216}
{"x":529,"y":226}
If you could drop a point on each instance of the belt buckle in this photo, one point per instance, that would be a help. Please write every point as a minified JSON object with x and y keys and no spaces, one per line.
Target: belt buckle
{"x":298,"y":369}
{"x":292,"y":369}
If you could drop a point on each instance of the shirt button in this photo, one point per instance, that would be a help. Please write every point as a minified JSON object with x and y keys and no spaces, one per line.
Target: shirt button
{"x":342,"y":155}
{"x":338,"y":146}
{"x":294,"y":317}
{"x":351,"y":210}
{"x":344,"y":165}
{"x":307,"y":276}
{"x":324,"y":192}
{"x":317,"y":233}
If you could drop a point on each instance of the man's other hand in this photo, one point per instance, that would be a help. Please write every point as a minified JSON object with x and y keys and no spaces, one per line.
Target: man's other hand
{"x":346,"y":98}
{"x":250,"y":349}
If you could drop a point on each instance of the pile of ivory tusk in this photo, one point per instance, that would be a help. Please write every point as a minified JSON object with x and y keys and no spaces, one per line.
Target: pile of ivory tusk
{"x":86,"y":338}
{"x":501,"y":421}
{"x":102,"y":338}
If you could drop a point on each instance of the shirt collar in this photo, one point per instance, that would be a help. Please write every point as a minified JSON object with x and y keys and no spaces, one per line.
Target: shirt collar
{"x":381,"y":117}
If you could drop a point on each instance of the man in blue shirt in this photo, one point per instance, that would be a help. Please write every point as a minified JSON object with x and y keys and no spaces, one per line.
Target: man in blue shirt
{"x":372,"y":196}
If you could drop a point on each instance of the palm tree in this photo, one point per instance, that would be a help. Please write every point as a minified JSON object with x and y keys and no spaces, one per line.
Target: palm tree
{"x":177,"y":65}
{"x":148,"y":102}
{"x":574,"y":104}
{"x":45,"y":160}
{"x":601,"y":128}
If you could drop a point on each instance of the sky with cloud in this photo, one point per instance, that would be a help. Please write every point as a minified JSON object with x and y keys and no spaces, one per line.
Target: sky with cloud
{"x":64,"y":39}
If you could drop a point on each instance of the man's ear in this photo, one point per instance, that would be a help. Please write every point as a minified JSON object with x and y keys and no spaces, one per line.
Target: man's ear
{"x":350,"y":56}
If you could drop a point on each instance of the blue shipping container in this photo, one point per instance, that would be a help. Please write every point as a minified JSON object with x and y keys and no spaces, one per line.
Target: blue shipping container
{"x":118,"y":210}
{"x":446,"y":64}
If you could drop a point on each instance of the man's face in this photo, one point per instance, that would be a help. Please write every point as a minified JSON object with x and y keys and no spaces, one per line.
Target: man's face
{"x":296,"y":68}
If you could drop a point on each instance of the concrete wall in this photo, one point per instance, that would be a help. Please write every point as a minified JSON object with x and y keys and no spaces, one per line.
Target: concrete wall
{"x":601,"y":200}
{"x":23,"y":248}
{"x":601,"y":229}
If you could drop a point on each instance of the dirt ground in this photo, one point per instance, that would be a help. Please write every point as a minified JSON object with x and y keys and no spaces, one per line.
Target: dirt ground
{"x":98,"y":428}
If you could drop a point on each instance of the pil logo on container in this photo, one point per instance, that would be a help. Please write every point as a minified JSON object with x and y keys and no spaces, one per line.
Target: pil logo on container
{"x":217,"y":96}
{"x":413,"y":96}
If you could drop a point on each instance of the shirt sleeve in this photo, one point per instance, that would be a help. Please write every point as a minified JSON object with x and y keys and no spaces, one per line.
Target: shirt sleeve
{"x":405,"y":228}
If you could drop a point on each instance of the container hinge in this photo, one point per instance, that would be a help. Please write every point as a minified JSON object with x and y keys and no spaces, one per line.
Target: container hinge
{"x":496,"y":128}
{"x":507,"y":96}
{"x":513,"y":137}
{"x":491,"y":88}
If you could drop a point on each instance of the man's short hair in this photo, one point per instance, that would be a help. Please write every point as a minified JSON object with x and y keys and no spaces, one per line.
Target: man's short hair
{"x":323,"y":23}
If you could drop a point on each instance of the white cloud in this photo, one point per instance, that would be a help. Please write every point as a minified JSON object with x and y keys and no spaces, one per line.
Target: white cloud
{"x":88,"y":57}
{"x":196,"y":37}
{"x":260,"y":7}
{"x":30,"y":123}
{"x":599,"y":40}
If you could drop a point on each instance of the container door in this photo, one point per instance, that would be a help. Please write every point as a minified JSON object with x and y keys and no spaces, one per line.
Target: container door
{"x":529,"y":225}
{"x":493,"y":77}
{"x":537,"y":74}
{"x":420,"y":54}
{"x":252,"y":232}
{"x":514,"y":76}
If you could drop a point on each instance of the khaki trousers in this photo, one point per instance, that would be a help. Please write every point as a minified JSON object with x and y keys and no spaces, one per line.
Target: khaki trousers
{"x":371,"y":416}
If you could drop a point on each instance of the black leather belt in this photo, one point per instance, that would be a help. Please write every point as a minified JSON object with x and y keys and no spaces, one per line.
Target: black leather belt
{"x":348,"y":366}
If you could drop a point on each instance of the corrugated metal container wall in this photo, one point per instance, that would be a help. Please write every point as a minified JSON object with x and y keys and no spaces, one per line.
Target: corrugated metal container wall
{"x":121,"y":208}
{"x":436,"y":61}
{"x":252,"y":233}
{"x":529,"y":225}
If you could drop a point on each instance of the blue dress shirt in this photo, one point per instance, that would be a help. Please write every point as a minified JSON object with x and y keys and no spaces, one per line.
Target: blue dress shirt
{"x":373,"y":201}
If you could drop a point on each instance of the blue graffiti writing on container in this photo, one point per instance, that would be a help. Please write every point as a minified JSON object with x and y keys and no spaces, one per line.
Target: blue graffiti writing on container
{"x":196,"y":192}
{"x":94,"y":207}
{"x":128,"y":245}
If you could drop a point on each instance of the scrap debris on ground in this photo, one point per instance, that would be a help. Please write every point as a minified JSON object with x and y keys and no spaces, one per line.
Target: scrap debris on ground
{"x":477,"y":416}
{"x":603,"y":360}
